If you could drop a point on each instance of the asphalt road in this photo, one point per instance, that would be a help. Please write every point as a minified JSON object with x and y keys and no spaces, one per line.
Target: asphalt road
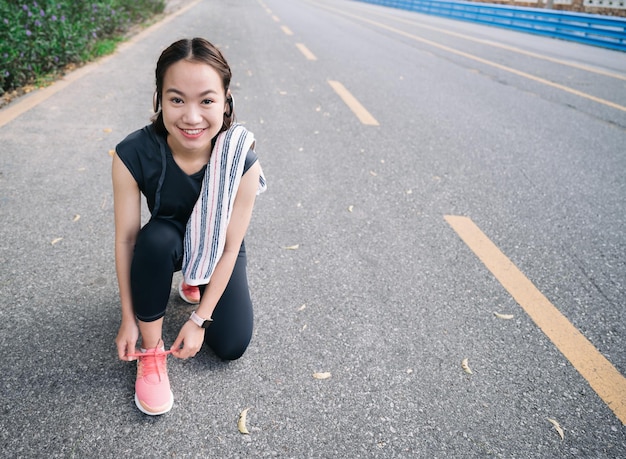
{"x":354,"y":269}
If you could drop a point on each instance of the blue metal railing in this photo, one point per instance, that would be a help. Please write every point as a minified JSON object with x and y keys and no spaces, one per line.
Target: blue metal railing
{"x":591,"y":29}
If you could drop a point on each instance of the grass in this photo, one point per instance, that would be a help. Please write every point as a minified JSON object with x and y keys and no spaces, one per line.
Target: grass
{"x":41,"y":40}
{"x":104,"y":47}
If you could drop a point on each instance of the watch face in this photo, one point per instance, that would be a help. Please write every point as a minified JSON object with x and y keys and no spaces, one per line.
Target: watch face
{"x":199,"y":321}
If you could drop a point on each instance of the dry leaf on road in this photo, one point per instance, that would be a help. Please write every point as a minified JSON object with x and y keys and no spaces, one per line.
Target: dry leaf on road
{"x":292,"y":247}
{"x":324,"y":375}
{"x":56,"y":240}
{"x":241,"y":423}
{"x":465,"y":366}
{"x":503,"y":316}
{"x":557,"y":427}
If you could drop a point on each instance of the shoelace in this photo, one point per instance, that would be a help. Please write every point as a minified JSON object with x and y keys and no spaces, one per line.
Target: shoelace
{"x":150,"y":360}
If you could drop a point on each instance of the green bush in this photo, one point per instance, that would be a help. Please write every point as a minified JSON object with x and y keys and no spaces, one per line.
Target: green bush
{"x":38,"y":38}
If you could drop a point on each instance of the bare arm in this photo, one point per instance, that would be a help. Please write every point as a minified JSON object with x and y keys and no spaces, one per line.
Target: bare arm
{"x":127,"y":207}
{"x":191,"y":335}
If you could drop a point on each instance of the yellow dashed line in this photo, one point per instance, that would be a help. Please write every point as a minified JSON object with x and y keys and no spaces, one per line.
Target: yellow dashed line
{"x":601,"y":375}
{"x":362,"y":114}
{"x":304,"y":50}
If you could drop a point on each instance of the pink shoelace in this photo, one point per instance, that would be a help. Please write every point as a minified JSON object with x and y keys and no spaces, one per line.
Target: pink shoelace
{"x":151,"y":359}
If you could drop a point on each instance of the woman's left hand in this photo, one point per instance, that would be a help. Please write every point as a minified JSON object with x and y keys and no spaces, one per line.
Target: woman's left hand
{"x":191,"y":338}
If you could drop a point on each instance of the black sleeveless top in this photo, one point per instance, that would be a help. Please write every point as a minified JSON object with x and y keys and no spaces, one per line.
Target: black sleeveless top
{"x":170,"y":192}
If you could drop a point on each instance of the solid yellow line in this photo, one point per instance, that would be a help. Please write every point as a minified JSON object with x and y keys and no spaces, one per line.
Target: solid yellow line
{"x":362,"y":114}
{"x":16,"y":109}
{"x":484,"y":61}
{"x":20,"y":107}
{"x":602,"y":376}
{"x":287,"y":30}
{"x":307,"y":53}
{"x":514,"y":49}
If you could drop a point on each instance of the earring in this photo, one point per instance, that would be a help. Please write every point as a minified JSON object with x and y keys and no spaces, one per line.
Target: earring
{"x":155,"y":102}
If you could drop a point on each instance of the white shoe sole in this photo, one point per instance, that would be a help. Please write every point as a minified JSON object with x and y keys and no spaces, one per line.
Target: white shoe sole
{"x":151,"y":413}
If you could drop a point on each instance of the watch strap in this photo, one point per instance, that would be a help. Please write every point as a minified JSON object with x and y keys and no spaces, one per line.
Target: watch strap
{"x":199,"y":321}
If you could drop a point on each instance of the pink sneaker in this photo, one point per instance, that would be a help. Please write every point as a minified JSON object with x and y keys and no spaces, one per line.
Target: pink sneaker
{"x":153,"y":394}
{"x":189,"y":293}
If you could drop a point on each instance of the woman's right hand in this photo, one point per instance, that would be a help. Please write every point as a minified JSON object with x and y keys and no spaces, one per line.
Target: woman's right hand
{"x":126,"y":339}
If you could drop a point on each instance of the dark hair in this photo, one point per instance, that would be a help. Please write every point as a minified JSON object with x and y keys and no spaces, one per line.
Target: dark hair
{"x":192,"y":50}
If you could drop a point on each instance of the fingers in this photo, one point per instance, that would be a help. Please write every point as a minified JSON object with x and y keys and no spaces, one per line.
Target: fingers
{"x":176,"y":350}
{"x":130,"y":350}
{"x":124,"y":348}
{"x":121,"y":351}
{"x":184,"y":352}
{"x":126,"y":340}
{"x":188,"y":342}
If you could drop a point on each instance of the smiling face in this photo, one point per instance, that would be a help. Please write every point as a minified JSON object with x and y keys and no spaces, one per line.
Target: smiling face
{"x":193,"y":105}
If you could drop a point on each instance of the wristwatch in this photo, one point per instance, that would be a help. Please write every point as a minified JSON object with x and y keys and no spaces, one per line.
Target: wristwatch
{"x":199,"y":321}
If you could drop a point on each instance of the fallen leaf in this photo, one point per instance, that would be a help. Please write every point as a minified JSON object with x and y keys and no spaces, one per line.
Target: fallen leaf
{"x":324,"y":375}
{"x":557,"y":427}
{"x":241,"y":423}
{"x":76,"y":218}
{"x":503,"y":316}
{"x":292,"y":247}
{"x":111,"y":153}
{"x":465,"y":366}
{"x":350,"y":208}
{"x":56,"y":240}
{"x":107,"y":130}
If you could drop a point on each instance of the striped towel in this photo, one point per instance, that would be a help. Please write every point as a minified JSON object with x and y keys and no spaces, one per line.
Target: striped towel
{"x":205,"y":235}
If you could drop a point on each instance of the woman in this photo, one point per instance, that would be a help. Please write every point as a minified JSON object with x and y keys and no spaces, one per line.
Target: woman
{"x":200,"y":177}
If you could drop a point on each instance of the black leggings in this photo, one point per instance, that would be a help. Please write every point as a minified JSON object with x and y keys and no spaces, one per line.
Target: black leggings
{"x":158,"y":254}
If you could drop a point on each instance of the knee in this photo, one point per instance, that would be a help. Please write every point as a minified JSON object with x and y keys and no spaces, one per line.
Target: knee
{"x":158,"y":241}
{"x":230,"y":351}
